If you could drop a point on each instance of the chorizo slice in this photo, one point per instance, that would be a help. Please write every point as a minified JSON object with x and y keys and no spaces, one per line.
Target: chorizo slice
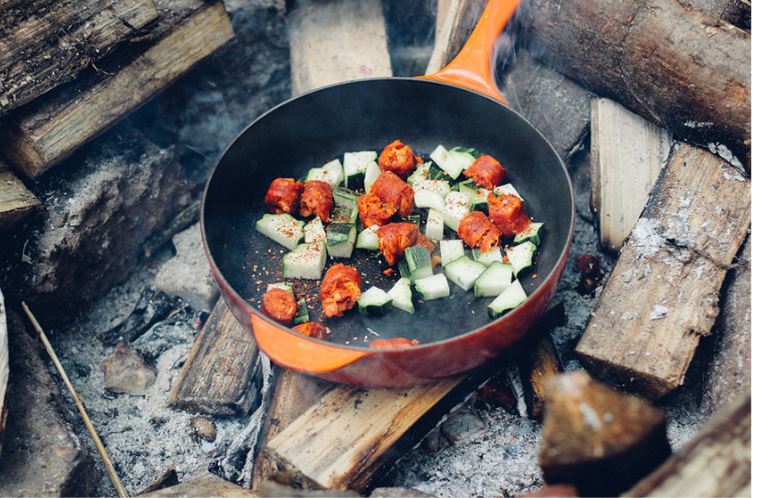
{"x":373,"y":211}
{"x":394,"y":192}
{"x":283,"y":196}
{"x":340,"y":289}
{"x":316,"y":200}
{"x":486,"y":171}
{"x":399,"y":159}
{"x":279,"y":305}
{"x":507,"y":213}
{"x":395,"y":342}
{"x":395,"y":238}
{"x":477,"y":231}
{"x":312,"y":329}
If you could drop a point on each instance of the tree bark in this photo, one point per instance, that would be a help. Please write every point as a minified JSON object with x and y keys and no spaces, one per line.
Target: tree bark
{"x":677,"y":66}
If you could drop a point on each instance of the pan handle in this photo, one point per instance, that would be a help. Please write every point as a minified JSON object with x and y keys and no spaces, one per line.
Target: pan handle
{"x":471,"y":68}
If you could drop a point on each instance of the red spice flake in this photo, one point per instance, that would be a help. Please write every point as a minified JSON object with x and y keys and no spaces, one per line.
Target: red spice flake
{"x":388,"y":272}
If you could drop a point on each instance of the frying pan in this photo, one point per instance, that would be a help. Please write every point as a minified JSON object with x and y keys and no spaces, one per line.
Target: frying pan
{"x":460,"y":105}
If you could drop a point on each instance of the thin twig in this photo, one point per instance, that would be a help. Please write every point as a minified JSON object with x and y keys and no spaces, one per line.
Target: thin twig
{"x":79,"y":405}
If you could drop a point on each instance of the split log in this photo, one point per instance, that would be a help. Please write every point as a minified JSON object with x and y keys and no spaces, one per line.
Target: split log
{"x":455,"y":22}
{"x":201,"y":487}
{"x":598,"y":439}
{"x":16,"y":201}
{"x":50,"y":129}
{"x":683,"y":69}
{"x":541,"y":365}
{"x":715,"y":463}
{"x":219,"y":376}
{"x":628,"y":153}
{"x":663,"y":294}
{"x":736,"y":12}
{"x":48,"y":42}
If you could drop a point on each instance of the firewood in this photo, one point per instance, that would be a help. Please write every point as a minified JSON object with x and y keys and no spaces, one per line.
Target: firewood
{"x":3,"y":366}
{"x":663,"y":294}
{"x":16,"y":201}
{"x":219,"y":376}
{"x":200,"y":487}
{"x":683,"y":69}
{"x":47,"y":42}
{"x":715,"y":463}
{"x":541,"y":365}
{"x":50,"y":129}
{"x":455,"y":22}
{"x":628,"y":153}
{"x":598,"y":439}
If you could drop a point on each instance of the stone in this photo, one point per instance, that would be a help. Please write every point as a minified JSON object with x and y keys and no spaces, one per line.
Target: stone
{"x":728,"y":374}
{"x":204,"y":428}
{"x":188,"y":274}
{"x":554,"y":104}
{"x":463,"y":425}
{"x":125,"y":371}
{"x":41,"y":454}
{"x":434,"y":441}
{"x":398,"y":493}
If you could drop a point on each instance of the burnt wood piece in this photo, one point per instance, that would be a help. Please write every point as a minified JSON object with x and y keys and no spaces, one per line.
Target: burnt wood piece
{"x":681,"y":68}
{"x":152,"y":307}
{"x":219,"y":376}
{"x":541,"y":365}
{"x":715,"y":463}
{"x":627,"y":155}
{"x":598,"y":439}
{"x":663,"y":294}
{"x":45,"y":132}
{"x":201,"y":487}
{"x":44,"y":43}
{"x":455,"y":22}
{"x":16,"y":201}
{"x":186,"y":218}
{"x":166,"y":480}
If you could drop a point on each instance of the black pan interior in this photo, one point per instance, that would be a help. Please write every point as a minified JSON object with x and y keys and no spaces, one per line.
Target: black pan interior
{"x":364,"y":115}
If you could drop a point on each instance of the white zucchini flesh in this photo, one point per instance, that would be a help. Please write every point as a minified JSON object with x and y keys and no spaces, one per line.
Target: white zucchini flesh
{"x":433,"y":287}
{"x":494,"y":280}
{"x":372,"y":173}
{"x":421,"y":173}
{"x":281,"y":228}
{"x":464,"y":271}
{"x":488,"y":257}
{"x":451,"y":162}
{"x":374,"y":301}
{"x":368,"y":239}
{"x":520,"y":256}
{"x":314,"y":231}
{"x":457,"y":206}
{"x":435,"y":225}
{"x":330,"y":173}
{"x":440,"y":187}
{"x":429,"y":199}
{"x":450,"y":250}
{"x":402,"y":297}
{"x":305,"y":261}
{"x":506,"y":189}
{"x":510,"y":298}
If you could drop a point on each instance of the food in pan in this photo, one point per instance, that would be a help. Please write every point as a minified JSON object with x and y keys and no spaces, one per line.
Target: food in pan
{"x":452,"y":219}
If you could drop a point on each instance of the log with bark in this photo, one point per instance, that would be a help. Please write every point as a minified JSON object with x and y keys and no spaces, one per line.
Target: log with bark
{"x":50,"y":129}
{"x":47,"y":42}
{"x":663,"y":294}
{"x":681,"y":68}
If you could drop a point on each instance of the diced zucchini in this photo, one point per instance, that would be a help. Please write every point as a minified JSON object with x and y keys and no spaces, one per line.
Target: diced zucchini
{"x":494,"y":280}
{"x":344,"y":215}
{"x":355,"y":165}
{"x":302,"y":315}
{"x":340,"y":239}
{"x":478,"y":194}
{"x":452,"y":162}
{"x":372,"y":173}
{"x":437,"y":173}
{"x":507,"y":189}
{"x":368,"y":239}
{"x":314,"y":231}
{"x":419,"y":262}
{"x":520,"y":256}
{"x":435,"y":225}
{"x":510,"y":298}
{"x":441,"y":187}
{"x":464,"y":271}
{"x":374,"y":301}
{"x":281,"y":228}
{"x":532,"y":234}
{"x":330,"y":173}
{"x":486,"y":258}
{"x":402,"y":267}
{"x":450,"y":250}
{"x":456,"y":208}
{"x":345,"y":198}
{"x":467,"y":150}
{"x":401,"y":295}
{"x":305,"y":261}
{"x":433,"y":287}
{"x":429,"y":199}
{"x":279,"y":285}
{"x":421,"y":173}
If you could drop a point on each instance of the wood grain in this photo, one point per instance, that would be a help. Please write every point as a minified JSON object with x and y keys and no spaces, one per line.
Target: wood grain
{"x":663,"y":294}
{"x":627,"y":155}
{"x":219,"y":375}
{"x":455,"y":22}
{"x":715,"y":463}
{"x":541,"y":365}
{"x":49,"y":130}
{"x":44,"y":43}
{"x":16,"y":201}
{"x":201,"y":487}
{"x":681,"y":68}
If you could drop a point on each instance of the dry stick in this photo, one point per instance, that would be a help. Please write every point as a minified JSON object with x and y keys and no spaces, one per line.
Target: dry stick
{"x":87,"y":422}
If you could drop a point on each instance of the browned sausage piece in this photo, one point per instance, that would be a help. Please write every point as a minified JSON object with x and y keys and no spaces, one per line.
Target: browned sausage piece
{"x":280,"y":305}
{"x":394,"y":192}
{"x":399,"y":159}
{"x":317,"y":200}
{"x":477,"y":231}
{"x":312,"y":329}
{"x":486,"y":171}
{"x":340,"y":289}
{"x":283,"y":196}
